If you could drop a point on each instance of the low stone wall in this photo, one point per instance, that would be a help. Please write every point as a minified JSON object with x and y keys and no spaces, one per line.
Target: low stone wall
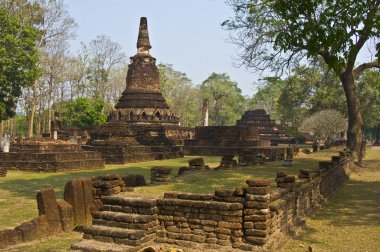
{"x":255,"y":218}
{"x":81,"y":199}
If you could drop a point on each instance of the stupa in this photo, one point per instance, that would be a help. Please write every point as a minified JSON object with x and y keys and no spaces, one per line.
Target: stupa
{"x":142,"y":126}
{"x":142,"y":101}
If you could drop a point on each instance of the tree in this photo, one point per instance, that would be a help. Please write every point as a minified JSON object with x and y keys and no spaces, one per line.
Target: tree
{"x":102,"y":55}
{"x":275,"y":34}
{"x":267,"y":97}
{"x":83,"y":112}
{"x":369,"y":92}
{"x":18,"y":61}
{"x":325,"y":125}
{"x":225,"y":99}
{"x":180,"y":95}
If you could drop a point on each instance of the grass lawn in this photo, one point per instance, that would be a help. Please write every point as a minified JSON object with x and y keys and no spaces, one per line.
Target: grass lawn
{"x":18,"y":189}
{"x":350,"y":221}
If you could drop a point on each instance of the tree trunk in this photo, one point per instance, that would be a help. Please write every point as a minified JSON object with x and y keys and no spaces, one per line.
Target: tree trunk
{"x":355,"y":122}
{"x":32,"y":110}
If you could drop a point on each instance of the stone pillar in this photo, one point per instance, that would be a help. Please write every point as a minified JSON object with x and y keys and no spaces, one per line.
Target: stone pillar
{"x":205,"y":113}
{"x":256,"y":211}
{"x":66,"y":213}
{"x":47,"y":205}
{"x":78,"y":193}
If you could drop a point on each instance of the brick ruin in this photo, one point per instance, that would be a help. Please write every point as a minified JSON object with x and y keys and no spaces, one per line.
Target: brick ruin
{"x":244,"y":141}
{"x":257,"y":217}
{"x":254,"y":218}
{"x":47,"y":155}
{"x":142,"y":126}
{"x":268,"y":128}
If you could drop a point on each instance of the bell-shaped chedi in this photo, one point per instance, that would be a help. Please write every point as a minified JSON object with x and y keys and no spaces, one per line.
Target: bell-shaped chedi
{"x":142,"y":127}
{"x":142,"y":101}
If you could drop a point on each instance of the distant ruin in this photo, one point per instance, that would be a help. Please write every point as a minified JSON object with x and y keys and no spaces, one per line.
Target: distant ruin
{"x":47,"y":155}
{"x":254,"y":134}
{"x":142,"y":126}
{"x":268,"y":128}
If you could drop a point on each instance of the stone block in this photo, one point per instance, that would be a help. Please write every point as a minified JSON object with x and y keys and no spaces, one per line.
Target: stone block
{"x":74,"y":195}
{"x":289,"y":179}
{"x":66,"y":213}
{"x":258,"y":190}
{"x":28,"y":231}
{"x":259,"y":182}
{"x":9,"y":237}
{"x":88,"y":199}
{"x":47,"y":205}
{"x":42,"y":226}
{"x":224,"y":192}
{"x":281,"y":174}
{"x":240,"y":191}
{"x":196,"y":162}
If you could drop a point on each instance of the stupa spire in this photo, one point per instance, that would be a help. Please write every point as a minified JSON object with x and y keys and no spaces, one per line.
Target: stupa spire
{"x":143,"y":44}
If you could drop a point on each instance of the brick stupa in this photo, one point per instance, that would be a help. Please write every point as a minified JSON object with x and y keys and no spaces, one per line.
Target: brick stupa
{"x":142,"y":101}
{"x":142,"y":126}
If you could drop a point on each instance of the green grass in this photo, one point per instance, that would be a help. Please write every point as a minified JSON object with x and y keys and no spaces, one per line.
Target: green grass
{"x":350,"y":221}
{"x":18,"y":189}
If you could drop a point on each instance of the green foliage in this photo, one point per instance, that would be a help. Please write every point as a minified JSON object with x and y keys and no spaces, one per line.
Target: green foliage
{"x":267,"y":97}
{"x":369,"y":93}
{"x":226,"y":103}
{"x":18,"y":61}
{"x":83,"y":112}
{"x":325,"y":125}
{"x":180,"y":95}
{"x":278,"y":34}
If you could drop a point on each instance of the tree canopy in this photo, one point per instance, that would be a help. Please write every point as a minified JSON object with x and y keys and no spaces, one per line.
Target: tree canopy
{"x":84,"y":112}
{"x":226,"y":103}
{"x":18,"y":61}
{"x":275,"y":34}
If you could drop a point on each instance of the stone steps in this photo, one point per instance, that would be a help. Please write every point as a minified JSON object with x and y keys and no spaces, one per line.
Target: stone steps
{"x":97,"y":246}
{"x":124,"y":217}
{"x":122,"y":224}
{"x":113,"y":232}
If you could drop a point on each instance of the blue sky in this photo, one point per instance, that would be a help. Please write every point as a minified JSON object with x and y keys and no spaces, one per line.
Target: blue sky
{"x":186,"y":34}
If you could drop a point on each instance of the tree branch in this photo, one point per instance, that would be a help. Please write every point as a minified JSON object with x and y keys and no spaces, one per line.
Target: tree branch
{"x":362,"y":67}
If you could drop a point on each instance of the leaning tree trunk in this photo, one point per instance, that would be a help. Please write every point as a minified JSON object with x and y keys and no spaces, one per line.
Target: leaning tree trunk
{"x":355,"y":123}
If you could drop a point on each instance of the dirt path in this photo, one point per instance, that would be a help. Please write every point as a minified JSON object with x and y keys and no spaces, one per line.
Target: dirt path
{"x":351,"y":219}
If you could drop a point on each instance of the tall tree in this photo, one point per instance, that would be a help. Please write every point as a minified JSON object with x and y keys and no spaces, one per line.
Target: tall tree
{"x":225,"y":99}
{"x":102,"y":55}
{"x":18,"y":61}
{"x":279,"y":33}
{"x":180,"y":95}
{"x":56,"y":26}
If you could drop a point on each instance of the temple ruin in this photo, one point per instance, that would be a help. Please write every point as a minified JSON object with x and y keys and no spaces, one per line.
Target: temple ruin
{"x":254,"y":134}
{"x":268,"y":128}
{"x":142,"y":126}
{"x":48,"y":155}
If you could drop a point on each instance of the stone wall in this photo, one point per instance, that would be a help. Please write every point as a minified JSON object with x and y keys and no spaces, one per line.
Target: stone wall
{"x":255,"y":218}
{"x":81,"y":199}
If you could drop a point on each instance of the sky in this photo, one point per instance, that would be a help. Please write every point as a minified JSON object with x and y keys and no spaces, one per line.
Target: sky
{"x":186,"y":34}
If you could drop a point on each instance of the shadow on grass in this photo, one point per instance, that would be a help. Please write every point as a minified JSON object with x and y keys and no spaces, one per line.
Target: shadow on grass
{"x":357,"y":203}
